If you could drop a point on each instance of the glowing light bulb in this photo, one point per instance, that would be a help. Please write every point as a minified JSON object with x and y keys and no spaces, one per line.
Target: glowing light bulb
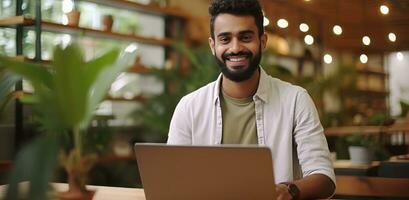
{"x":392,"y":37}
{"x":266,"y":22}
{"x":304,"y":27}
{"x":366,"y":40}
{"x":363,"y":58}
{"x":309,"y":40}
{"x":282,"y":23}
{"x":328,"y":58}
{"x":337,"y":29}
{"x":384,"y":9}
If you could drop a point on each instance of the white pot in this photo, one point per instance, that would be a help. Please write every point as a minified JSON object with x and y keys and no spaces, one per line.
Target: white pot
{"x":360,"y":155}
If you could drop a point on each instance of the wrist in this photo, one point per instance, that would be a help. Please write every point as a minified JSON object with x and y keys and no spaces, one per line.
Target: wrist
{"x":292,"y":190}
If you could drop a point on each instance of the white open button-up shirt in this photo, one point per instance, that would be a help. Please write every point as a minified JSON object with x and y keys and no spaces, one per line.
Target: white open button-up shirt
{"x":286,"y":119}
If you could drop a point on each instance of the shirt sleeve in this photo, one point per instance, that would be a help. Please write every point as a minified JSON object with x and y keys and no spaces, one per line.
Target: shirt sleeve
{"x":180,"y":128}
{"x":311,"y":144}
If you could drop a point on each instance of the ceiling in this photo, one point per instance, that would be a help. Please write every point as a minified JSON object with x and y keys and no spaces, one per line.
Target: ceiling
{"x":357,"y":18}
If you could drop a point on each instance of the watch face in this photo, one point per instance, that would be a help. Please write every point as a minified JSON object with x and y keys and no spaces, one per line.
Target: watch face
{"x":293,"y":190}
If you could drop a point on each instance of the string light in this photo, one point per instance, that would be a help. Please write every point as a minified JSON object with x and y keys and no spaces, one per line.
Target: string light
{"x":266,"y":22}
{"x":363,"y":58}
{"x":304,"y":27}
{"x":392,"y":37}
{"x":328,"y":58}
{"x":309,"y":40}
{"x":337,"y":29}
{"x":384,"y":9}
{"x":366,"y":40}
{"x":282,"y":23}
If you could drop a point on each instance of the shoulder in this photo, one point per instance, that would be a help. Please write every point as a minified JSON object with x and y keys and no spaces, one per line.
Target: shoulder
{"x":286,"y":89}
{"x":202,"y":95}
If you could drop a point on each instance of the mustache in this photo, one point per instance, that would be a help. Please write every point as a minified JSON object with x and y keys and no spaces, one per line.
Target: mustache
{"x":240,"y":53}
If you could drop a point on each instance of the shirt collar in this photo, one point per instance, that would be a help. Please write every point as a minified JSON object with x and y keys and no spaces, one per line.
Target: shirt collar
{"x":263,"y":89}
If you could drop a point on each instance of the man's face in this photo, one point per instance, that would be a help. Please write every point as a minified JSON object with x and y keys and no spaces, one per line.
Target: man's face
{"x":237,"y":46}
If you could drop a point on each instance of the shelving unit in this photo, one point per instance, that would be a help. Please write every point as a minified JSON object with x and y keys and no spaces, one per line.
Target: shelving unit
{"x":173,"y":20}
{"x":371,"y":83}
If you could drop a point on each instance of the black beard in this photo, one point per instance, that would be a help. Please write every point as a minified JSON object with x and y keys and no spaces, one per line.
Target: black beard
{"x":240,"y":75}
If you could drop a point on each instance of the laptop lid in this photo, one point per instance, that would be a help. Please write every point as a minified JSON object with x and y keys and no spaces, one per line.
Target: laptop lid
{"x":172,"y":172}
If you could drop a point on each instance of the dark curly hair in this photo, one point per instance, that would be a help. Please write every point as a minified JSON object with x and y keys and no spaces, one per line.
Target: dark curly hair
{"x":236,"y":7}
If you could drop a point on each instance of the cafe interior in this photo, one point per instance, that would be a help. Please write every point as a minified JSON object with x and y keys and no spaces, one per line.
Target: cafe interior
{"x":352,"y":56}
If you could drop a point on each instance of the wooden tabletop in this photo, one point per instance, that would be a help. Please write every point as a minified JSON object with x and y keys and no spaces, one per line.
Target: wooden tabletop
{"x":347,"y":164}
{"x":102,"y":192}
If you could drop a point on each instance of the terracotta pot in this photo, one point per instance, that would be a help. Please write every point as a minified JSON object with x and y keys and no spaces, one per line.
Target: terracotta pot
{"x":76,"y":187}
{"x":74,"y":18}
{"x":107,"y":22}
{"x":77,"y":167}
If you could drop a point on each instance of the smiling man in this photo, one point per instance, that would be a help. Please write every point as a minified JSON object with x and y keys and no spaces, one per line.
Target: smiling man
{"x":246,"y":106}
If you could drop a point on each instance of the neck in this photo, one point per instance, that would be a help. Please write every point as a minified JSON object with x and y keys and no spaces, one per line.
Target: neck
{"x":242,"y":89}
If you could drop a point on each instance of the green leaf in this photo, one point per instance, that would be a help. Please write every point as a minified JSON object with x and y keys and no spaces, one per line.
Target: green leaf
{"x":94,"y":67}
{"x":35,"y":163}
{"x":103,"y":81}
{"x":37,"y":74}
{"x":7,"y":81}
{"x":69,"y":84}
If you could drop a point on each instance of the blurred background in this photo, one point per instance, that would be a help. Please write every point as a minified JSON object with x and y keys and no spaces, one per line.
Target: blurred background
{"x":351,"y":55}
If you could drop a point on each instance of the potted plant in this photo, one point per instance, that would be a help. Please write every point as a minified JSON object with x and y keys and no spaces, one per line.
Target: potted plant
{"x":66,"y":95}
{"x":74,"y":16}
{"x":363,"y":148}
{"x":360,"y":148}
{"x":107,"y":22}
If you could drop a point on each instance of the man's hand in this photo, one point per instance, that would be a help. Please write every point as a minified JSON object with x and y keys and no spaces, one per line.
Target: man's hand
{"x":282,"y":192}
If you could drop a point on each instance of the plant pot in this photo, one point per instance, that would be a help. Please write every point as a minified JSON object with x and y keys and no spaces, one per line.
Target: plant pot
{"x":360,"y":155}
{"x":77,"y":167}
{"x":76,"y":188}
{"x":74,"y":18}
{"x":107,"y":22}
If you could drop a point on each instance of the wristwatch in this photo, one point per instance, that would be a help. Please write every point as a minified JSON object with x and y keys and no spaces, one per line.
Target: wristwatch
{"x":293,"y":190}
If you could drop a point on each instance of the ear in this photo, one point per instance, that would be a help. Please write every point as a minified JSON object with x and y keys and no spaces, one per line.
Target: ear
{"x":211,"y":44}
{"x":263,"y":40}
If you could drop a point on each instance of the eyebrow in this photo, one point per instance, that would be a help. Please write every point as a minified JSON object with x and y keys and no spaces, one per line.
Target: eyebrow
{"x":240,"y":33}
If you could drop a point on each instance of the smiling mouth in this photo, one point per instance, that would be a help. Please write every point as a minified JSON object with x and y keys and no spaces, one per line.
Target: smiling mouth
{"x":236,"y":58}
{"x":237,"y":62}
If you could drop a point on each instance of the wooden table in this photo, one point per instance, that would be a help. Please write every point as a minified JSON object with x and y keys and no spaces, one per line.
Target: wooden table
{"x":345,"y":167}
{"x":102,"y":192}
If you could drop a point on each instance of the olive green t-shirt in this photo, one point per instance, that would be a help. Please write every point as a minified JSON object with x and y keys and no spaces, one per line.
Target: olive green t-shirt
{"x":239,"y":120}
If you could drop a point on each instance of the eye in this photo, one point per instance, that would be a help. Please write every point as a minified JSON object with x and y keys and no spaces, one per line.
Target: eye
{"x":224,"y":39}
{"x":246,"y":37}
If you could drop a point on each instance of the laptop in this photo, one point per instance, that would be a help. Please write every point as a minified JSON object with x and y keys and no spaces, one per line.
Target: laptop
{"x":175,"y":172}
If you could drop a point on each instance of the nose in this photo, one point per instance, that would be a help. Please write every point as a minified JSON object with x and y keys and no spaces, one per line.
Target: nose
{"x":236,"y":46}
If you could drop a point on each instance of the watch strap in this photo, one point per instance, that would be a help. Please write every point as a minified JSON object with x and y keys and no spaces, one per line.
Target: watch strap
{"x":292,"y":189}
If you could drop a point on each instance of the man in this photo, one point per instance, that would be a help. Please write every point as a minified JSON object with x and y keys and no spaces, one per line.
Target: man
{"x":246,"y":106}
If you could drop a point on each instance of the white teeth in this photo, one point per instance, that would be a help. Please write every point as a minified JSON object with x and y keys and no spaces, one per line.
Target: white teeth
{"x":237,"y":59}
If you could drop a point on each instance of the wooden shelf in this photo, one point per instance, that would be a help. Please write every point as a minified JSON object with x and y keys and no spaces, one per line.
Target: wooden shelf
{"x":348,"y":130}
{"x":138,"y":68}
{"x":150,"y":9}
{"x":137,"y":98}
{"x":371,"y":92}
{"x":55,"y":27}
{"x":18,"y":94}
{"x":16,"y":20}
{"x":372,"y":71}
